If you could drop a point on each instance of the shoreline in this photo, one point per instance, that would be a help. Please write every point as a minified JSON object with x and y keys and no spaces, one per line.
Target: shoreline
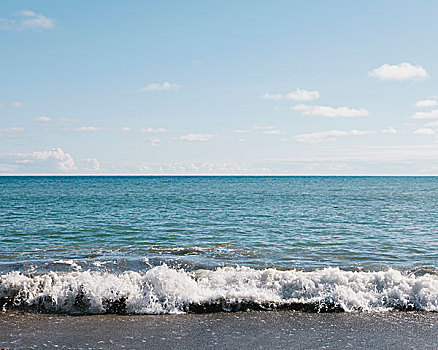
{"x":247,"y":330}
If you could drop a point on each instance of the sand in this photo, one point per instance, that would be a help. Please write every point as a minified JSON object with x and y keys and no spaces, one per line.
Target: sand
{"x":240,"y":330}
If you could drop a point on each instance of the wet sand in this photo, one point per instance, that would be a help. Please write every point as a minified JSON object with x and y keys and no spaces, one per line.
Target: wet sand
{"x":241,"y":330}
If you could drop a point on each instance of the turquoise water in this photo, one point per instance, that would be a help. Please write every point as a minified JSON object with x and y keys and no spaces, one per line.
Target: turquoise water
{"x":202,"y":244}
{"x":284,"y":222}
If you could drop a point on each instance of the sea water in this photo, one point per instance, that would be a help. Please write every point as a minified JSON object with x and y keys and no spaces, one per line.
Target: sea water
{"x":200,"y":244}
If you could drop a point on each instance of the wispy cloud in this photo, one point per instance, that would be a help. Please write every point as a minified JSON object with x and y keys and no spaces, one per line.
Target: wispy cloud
{"x":43,"y":119}
{"x":194,"y":168}
{"x":15,"y":104}
{"x":262,"y":127}
{"x":46,"y":119}
{"x":166,"y":86}
{"x":426,"y":115}
{"x":426,"y":103}
{"x":126,"y":129}
{"x":27,"y":20}
{"x":399,"y":72}
{"x":154,"y":141}
{"x":88,"y":128}
{"x":266,"y":129}
{"x":389,"y":130}
{"x":273,"y":97}
{"x":303,"y":95}
{"x":326,"y":111}
{"x":424,"y":131}
{"x":434,"y":123}
{"x":297,"y":95}
{"x":271,"y":132}
{"x":153,"y":130}
{"x":197,"y":137}
{"x":92,"y":164}
{"x":331,"y":135}
{"x":11,"y":130}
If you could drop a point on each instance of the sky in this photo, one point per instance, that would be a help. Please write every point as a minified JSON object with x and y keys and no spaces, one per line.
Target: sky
{"x":219,"y":87}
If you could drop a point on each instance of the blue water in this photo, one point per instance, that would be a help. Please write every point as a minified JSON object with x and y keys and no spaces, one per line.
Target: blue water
{"x":206,"y":244}
{"x":132,"y":223}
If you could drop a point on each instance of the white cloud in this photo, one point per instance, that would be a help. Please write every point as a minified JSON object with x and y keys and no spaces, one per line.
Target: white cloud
{"x":389,"y":130}
{"x":297,"y":95}
{"x":427,"y":103}
{"x":424,"y":131}
{"x":126,"y":129}
{"x":301,"y":107}
{"x":56,"y":158}
{"x":274,"y":97}
{"x":262,"y":127}
{"x":153,"y":130}
{"x":17,"y":104}
{"x":43,"y":118}
{"x":88,"y":128}
{"x":91,"y":164}
{"x":303,"y":95}
{"x":5,"y":169}
{"x":197,"y":137}
{"x":27,"y":19}
{"x":434,"y":123}
{"x":326,"y":111}
{"x":11,"y":130}
{"x":271,"y":132}
{"x":53,"y":161}
{"x":267,"y":130}
{"x":399,"y":72}
{"x":155,"y":141}
{"x":426,"y":115}
{"x":166,"y":86}
{"x":324,"y":136}
{"x":195,"y":168}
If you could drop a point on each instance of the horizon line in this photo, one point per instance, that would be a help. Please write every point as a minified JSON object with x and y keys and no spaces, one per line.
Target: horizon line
{"x":222,"y":175}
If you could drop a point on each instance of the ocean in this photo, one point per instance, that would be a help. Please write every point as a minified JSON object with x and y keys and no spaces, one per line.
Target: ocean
{"x":189,"y":245}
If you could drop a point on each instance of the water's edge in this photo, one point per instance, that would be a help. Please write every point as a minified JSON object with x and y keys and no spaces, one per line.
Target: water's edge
{"x":166,"y":290}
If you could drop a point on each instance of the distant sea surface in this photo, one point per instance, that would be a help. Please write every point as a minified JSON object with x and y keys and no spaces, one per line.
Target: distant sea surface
{"x":153,"y":245}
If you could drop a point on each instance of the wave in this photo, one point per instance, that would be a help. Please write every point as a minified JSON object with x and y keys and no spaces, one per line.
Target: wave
{"x":164,"y":290}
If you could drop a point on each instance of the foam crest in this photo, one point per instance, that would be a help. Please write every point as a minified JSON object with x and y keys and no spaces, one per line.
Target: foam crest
{"x":167,"y":290}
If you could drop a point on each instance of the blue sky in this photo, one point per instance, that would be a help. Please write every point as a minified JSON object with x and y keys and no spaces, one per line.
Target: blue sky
{"x":219,"y":87}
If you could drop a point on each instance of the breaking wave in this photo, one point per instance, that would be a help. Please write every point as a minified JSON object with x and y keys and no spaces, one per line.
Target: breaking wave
{"x":164,"y":290}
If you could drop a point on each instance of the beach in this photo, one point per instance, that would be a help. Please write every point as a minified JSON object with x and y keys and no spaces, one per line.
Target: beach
{"x":240,"y":330}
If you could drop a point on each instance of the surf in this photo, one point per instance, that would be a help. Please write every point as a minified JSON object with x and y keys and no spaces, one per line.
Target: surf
{"x":169,"y":290}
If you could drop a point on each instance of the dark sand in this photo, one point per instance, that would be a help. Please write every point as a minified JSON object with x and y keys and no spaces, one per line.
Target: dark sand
{"x":241,"y":330}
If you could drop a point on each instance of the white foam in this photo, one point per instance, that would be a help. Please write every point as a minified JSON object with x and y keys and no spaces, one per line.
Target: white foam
{"x":70,"y":262}
{"x":166,"y":290}
{"x":101,"y":263}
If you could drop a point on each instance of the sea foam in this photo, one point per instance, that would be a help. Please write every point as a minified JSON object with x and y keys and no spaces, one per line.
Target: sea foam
{"x":163,"y":289}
